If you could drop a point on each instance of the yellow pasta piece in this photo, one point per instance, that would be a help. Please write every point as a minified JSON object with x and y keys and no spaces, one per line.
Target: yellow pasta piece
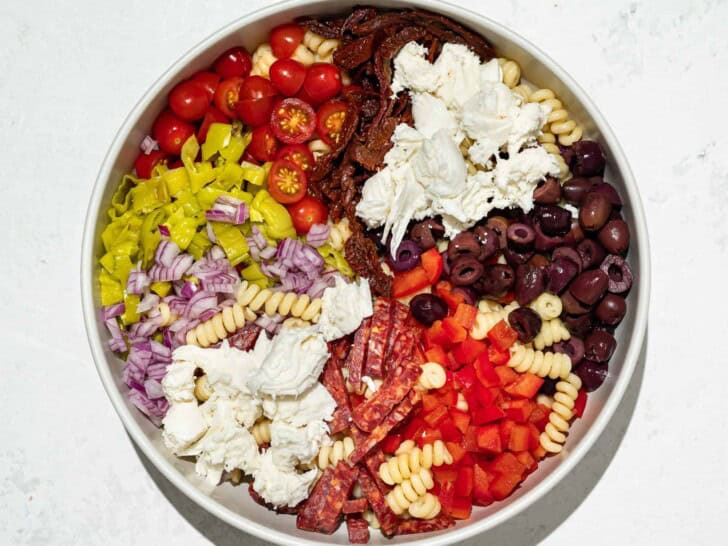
{"x":526,"y":359}
{"x":554,"y":435}
{"x":426,"y":506}
{"x":432,"y":377}
{"x":261,"y":431}
{"x":552,"y":331}
{"x":338,"y":451}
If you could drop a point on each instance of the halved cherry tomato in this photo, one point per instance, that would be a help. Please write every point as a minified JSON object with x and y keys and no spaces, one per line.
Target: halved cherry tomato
{"x":287,"y":76}
{"x":330,"y":121}
{"x":227,"y":95}
{"x":284,"y":40}
{"x":307,"y":212}
{"x":323,"y":82}
{"x":299,"y":154}
{"x":171,"y":132}
{"x":263,"y":144}
{"x":189,"y":100}
{"x":235,"y":62}
{"x":145,"y":163}
{"x":293,"y":121}
{"x":208,"y":80}
{"x":286,"y":182}
{"x":213,"y":115}
{"x":255,"y":101}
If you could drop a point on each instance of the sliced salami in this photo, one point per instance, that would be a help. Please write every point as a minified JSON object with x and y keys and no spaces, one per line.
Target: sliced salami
{"x":355,"y":506}
{"x":380,"y":431}
{"x":411,"y":526}
{"x":315,"y":505}
{"x":401,"y":349}
{"x":387,"y":519}
{"x":357,"y":528}
{"x":333,"y":380}
{"x":324,"y":517}
{"x":373,"y":460}
{"x":357,"y":353}
{"x":376,"y":350}
{"x":400,"y":312}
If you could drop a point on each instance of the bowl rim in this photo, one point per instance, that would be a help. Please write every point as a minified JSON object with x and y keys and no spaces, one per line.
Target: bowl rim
{"x":452,"y":535}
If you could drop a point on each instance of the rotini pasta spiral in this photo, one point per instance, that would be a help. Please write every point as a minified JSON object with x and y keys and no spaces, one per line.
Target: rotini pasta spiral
{"x":293,"y":322}
{"x":425,"y":507}
{"x":318,"y":148}
{"x":339,"y":233}
{"x":407,"y":492}
{"x":219,"y":326}
{"x":552,"y":331}
{"x":304,"y":55}
{"x":547,"y":305}
{"x":553,"y":437}
{"x":409,"y":459}
{"x":203,"y":391}
{"x":432,"y":377}
{"x":566,"y":130}
{"x":371,"y":519}
{"x":263,"y":59}
{"x":548,"y":143}
{"x":462,"y":403}
{"x":338,"y":451}
{"x":261,"y":431}
{"x":484,"y":321}
{"x":511,"y":72}
{"x":526,"y":359}
{"x":322,"y":48}
{"x":255,"y":298}
{"x":166,"y":316}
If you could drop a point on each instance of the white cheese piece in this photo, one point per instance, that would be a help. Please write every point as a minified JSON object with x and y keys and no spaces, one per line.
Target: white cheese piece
{"x":179,"y":382}
{"x":183,"y":426}
{"x":292,"y":445}
{"x":316,"y":404}
{"x":431,"y":115}
{"x":280,"y":486}
{"x":344,"y":307}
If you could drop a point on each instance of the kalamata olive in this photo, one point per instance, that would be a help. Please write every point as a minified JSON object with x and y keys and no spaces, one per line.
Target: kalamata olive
{"x":526,"y":322}
{"x":592,"y":374}
{"x":615,"y":215}
{"x":599,"y":346}
{"x":615,"y":236}
{"x":543,"y":242}
{"x":548,"y":193}
{"x":573,"y":347}
{"x":463,"y":244}
{"x":572,"y":306}
{"x":539,"y":260}
{"x":588,"y":158}
{"x":579,"y":325}
{"x":489,"y":242}
{"x":568,"y":253}
{"x":576,"y":235}
{"x":465,"y":271}
{"x":590,"y":286}
{"x":500,"y":226}
{"x":548,"y":387}
{"x":407,"y":256}
{"x":497,"y":280}
{"x":611,"y":192}
{"x":520,"y":237}
{"x":592,"y":254}
{"x":619,"y":273}
{"x":426,"y":233}
{"x":530,"y":283}
{"x":468,"y":292}
{"x":427,"y":308}
{"x":575,"y":189}
{"x":594,"y":211}
{"x":611,"y":310}
{"x":560,"y":273}
{"x":515,"y":258}
{"x":445,"y":265}
{"x":553,"y":220}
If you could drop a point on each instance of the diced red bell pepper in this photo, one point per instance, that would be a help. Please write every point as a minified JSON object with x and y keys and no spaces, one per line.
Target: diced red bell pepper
{"x":435,"y":336}
{"x":535,"y":440}
{"x":461,"y":419}
{"x":502,"y":335}
{"x":484,"y":395}
{"x":429,"y":436}
{"x":414,"y":428}
{"x":483,"y":416}
{"x":489,"y":439}
{"x":465,"y":315}
{"x":409,"y":282}
{"x":481,"y":486}
{"x":467,"y":460}
{"x":580,"y":404}
{"x":498,"y":357}
{"x":508,"y":298}
{"x":465,"y":377}
{"x":432,"y":263}
{"x":445,"y":474}
{"x":443,"y":289}
{"x":391,"y":443}
{"x":485,"y":372}
{"x":430,"y":402}
{"x":526,"y":386}
{"x":507,"y":463}
{"x":461,"y":507}
{"x":434,"y":417}
{"x":518,"y":410}
{"x":506,"y":425}
{"x":539,"y":453}
{"x":539,"y":416}
{"x":467,"y":351}
{"x":464,"y":482}
{"x":503,"y":485}
{"x":449,"y":431}
{"x":446,"y":494}
{"x":456,"y":451}
{"x":453,"y":330}
{"x":520,"y":437}
{"x":470,"y":439}
{"x":506,"y":374}
{"x":437,"y":354}
{"x":527,"y":460}
{"x":447,"y":397}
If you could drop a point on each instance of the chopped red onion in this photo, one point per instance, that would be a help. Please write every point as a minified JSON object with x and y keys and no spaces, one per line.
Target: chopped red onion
{"x":210,"y":233}
{"x":175,"y":271}
{"x":318,"y":235}
{"x":112,"y":311}
{"x":208,"y":314}
{"x":154,"y":411}
{"x":259,"y":238}
{"x":228,"y":209}
{"x":138,"y":281}
{"x":189,"y":289}
{"x":148,"y":145}
{"x":166,"y":252}
{"x":154,"y":389}
{"x":253,"y":249}
{"x":268,"y":252}
{"x":216,"y":253}
{"x":117,"y":343}
{"x":270,"y":324}
{"x":149,"y":302}
{"x":200,"y":302}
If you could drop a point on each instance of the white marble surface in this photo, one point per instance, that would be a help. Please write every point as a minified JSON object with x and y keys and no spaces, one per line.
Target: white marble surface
{"x":70,"y":72}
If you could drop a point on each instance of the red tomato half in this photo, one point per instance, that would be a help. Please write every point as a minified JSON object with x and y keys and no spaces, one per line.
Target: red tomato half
{"x":284,"y":40}
{"x":287,"y":76}
{"x":256,"y":101}
{"x":307,"y":212}
{"x":293,"y":121}
{"x":298,"y":154}
{"x":330,"y":121}
{"x":323,"y":82}
{"x":213,"y":115}
{"x":227,"y":95}
{"x":235,"y":62}
{"x":189,"y":100}
{"x":209,"y":81}
{"x":171,"y":132}
{"x":263,"y":146}
{"x":145,"y":163}
{"x":286,"y":182}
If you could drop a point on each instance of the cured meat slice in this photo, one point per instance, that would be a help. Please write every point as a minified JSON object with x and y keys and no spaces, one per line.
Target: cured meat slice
{"x":373,"y":460}
{"x":387,"y":519}
{"x":411,"y":526}
{"x":333,"y":380}
{"x":322,"y":511}
{"x":382,"y":429}
{"x":354,"y":506}
{"x":357,"y":353}
{"x":357,"y":528}
{"x":376,"y":350}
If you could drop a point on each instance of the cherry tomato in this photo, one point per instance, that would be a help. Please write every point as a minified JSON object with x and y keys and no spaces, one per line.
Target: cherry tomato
{"x":248,"y":158}
{"x":330,"y":121}
{"x":293,"y":121}
{"x":171,"y":132}
{"x":189,"y":100}
{"x":227,"y":95}
{"x":287,"y":76}
{"x":286,"y":182}
{"x":298,"y":154}
{"x":263,"y":146}
{"x":209,"y":81}
{"x":213,"y":115}
{"x":257,"y":99}
{"x":284,"y":40}
{"x":235,"y":62}
{"x":307,"y":212}
{"x":323,"y":82}
{"x":145,"y":163}
{"x":255,"y":88}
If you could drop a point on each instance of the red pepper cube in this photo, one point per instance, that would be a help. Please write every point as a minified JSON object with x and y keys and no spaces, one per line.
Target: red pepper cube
{"x":461,"y":507}
{"x":433,"y":264}
{"x":498,"y":357}
{"x":540,"y":416}
{"x":435,"y":417}
{"x":461,"y":419}
{"x":391,"y":443}
{"x":456,"y":451}
{"x":526,"y":386}
{"x":470,"y":439}
{"x":464,"y":482}
{"x":484,"y":395}
{"x":447,"y":397}
{"x":467,"y":351}
{"x":506,"y":374}
{"x":449,"y":431}
{"x":483,"y":416}
{"x":503,"y":485}
{"x":527,"y":460}
{"x":430,"y":402}
{"x":445,"y":474}
{"x":518,"y":410}
{"x":437,"y":354}
{"x":465,"y":377}
{"x":485,"y":372}
{"x":502,"y":336}
{"x":428,"y":436}
{"x":453,"y":330}
{"x":446,"y":494}
{"x":489,"y":439}
{"x":414,"y":428}
{"x":507,"y":463}
{"x":443,"y":289}
{"x":467,"y":460}
{"x":481,"y":486}
{"x":506,"y":425}
{"x":435,"y":336}
{"x":465,"y":315}
{"x":519,"y":439}
{"x":535,"y":437}
{"x":580,"y":404}
{"x":409,"y":282}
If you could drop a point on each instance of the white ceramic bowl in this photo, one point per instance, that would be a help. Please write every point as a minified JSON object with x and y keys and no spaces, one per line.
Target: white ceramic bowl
{"x":234,"y":505}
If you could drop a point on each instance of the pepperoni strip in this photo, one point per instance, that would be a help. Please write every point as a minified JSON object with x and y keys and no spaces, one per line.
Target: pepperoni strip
{"x":387,"y":519}
{"x":354,"y":506}
{"x":315,"y":505}
{"x":322,"y":510}
{"x":333,"y":380}
{"x":381,"y":323}
{"x":411,"y":526}
{"x":373,"y":460}
{"x":357,"y":353}
{"x":357,"y":528}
